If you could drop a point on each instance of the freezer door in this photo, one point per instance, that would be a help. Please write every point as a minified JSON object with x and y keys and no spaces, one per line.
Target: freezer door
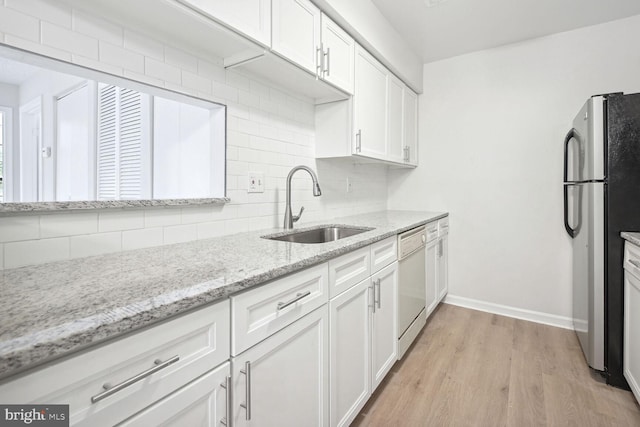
{"x":584,"y":144}
{"x":588,"y":270}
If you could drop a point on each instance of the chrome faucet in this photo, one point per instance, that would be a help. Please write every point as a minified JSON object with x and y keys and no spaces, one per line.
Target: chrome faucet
{"x":289,"y":219}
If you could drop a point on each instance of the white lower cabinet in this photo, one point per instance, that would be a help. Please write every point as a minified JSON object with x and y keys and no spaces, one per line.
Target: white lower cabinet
{"x":431,"y":265}
{"x":203,"y":403}
{"x":443,"y":266}
{"x":350,"y":347}
{"x":384,"y":340}
{"x":631,"y":343}
{"x":283,"y":381}
{"x":364,"y":340}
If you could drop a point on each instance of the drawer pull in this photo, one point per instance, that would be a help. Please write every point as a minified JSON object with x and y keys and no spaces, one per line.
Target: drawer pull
{"x":226,"y":385}
{"x":298,"y":297}
{"x":109,"y":389}
{"x":247,"y":390}
{"x":635,"y":262}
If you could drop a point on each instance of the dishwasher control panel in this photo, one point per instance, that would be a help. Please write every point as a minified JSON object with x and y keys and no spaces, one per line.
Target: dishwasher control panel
{"x":410,"y":241}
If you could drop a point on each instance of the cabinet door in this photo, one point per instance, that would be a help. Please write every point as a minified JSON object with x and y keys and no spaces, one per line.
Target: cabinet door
{"x":282,"y":381}
{"x":350,"y":346}
{"x":443,"y":266}
{"x":202,"y":403}
{"x":339,"y":55}
{"x":249,"y":17}
{"x":631,"y":356}
{"x":410,"y":127}
{"x":395,"y":140}
{"x":370,"y":106}
{"x":296,"y":32}
{"x":384,"y":337}
{"x":431,"y":265}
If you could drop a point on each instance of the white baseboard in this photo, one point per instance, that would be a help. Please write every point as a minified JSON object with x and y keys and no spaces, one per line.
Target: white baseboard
{"x":517,"y":313}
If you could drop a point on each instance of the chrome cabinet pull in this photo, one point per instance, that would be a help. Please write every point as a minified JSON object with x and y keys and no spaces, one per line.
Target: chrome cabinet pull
{"x":372,"y":288}
{"x":247,"y":393}
{"x":226,"y":385}
{"x":109,"y":389}
{"x":319,"y":61}
{"x":377,"y":283}
{"x":294,"y":300}
{"x":440,"y":248}
{"x":635,"y":262}
{"x":327,"y":56}
{"x":358,"y":141}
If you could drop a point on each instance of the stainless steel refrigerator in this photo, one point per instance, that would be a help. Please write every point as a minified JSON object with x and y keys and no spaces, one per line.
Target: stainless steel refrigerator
{"x":601,"y":199}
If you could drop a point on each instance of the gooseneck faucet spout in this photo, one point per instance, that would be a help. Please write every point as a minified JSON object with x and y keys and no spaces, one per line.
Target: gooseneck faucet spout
{"x":289,"y":218}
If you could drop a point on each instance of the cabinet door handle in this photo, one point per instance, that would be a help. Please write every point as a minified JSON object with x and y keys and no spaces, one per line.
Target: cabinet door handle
{"x":372,"y":291}
{"x":440,"y":248}
{"x":247,"y":393}
{"x":109,"y":389}
{"x":319,"y":61}
{"x":226,"y":385}
{"x":327,"y":56}
{"x":636,"y":263}
{"x":298,"y":297}
{"x":377,"y":284}
{"x":358,"y":140}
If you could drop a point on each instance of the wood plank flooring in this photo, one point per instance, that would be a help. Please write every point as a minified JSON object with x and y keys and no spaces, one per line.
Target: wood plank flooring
{"x":470,"y":368}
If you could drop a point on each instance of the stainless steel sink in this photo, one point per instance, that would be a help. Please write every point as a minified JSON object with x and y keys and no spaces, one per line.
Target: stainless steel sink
{"x":322,"y":234}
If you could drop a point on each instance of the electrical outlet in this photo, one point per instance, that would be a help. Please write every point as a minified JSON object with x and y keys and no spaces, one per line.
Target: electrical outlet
{"x":256,"y":182}
{"x":349,"y":185}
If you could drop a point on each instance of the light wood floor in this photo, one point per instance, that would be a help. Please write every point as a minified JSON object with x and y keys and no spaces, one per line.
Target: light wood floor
{"x":469,"y":368}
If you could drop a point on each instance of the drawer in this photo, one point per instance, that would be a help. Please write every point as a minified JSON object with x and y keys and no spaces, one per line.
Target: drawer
{"x":263,"y":311}
{"x":202,"y":403}
{"x":432,"y":230}
{"x":383,"y":253}
{"x":443,"y":226}
{"x":200,"y":340}
{"x":632,"y":259}
{"x":349,"y":269}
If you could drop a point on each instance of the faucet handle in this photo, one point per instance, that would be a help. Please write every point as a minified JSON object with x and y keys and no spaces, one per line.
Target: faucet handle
{"x":297,"y":217}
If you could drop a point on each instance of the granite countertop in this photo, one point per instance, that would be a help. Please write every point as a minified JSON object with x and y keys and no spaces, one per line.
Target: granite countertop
{"x":631,"y":236}
{"x":51,"y":310}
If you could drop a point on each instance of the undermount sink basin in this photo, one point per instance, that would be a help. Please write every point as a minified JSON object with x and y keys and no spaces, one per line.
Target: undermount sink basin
{"x":322,"y":234}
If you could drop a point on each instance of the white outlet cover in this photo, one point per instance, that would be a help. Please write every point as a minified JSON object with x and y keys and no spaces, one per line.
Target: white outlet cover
{"x":255,"y":182}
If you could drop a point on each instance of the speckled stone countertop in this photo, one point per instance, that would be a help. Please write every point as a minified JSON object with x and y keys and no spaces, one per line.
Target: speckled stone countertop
{"x":51,"y":310}
{"x":632,"y":237}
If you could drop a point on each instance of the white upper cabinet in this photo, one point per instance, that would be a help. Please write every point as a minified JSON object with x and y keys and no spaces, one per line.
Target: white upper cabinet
{"x":296,"y":33}
{"x":379,"y":122}
{"x":410,"y":128}
{"x":249,"y":17}
{"x":338,"y":55}
{"x":395,"y":141}
{"x":370,"y":106}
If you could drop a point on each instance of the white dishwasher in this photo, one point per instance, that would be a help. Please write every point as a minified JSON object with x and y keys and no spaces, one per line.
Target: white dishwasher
{"x":412,"y":291}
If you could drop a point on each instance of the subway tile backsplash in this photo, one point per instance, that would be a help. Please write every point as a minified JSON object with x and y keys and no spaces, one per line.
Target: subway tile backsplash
{"x":269,"y":130}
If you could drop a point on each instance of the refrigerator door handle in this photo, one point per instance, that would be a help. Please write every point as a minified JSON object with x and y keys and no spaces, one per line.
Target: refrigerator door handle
{"x":567,"y":227}
{"x":570,"y":135}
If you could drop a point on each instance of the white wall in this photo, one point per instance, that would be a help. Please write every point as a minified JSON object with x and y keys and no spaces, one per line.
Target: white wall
{"x":269,"y":130}
{"x":491,"y":130}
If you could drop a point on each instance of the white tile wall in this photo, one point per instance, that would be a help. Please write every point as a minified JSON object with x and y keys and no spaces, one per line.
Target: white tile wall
{"x":269,"y":131}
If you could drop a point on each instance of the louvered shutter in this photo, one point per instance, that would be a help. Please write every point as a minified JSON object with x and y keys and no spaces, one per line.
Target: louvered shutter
{"x":107,"y":143}
{"x":123,"y":144}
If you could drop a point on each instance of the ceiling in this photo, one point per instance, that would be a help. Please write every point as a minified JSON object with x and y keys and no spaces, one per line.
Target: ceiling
{"x":14,"y":72}
{"x":454,"y":27}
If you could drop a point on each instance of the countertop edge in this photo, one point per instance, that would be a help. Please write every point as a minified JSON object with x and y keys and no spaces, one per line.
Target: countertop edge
{"x":631,"y":236}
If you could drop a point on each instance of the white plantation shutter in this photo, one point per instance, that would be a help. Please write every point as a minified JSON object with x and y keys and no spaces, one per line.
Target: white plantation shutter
{"x":124,"y":170}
